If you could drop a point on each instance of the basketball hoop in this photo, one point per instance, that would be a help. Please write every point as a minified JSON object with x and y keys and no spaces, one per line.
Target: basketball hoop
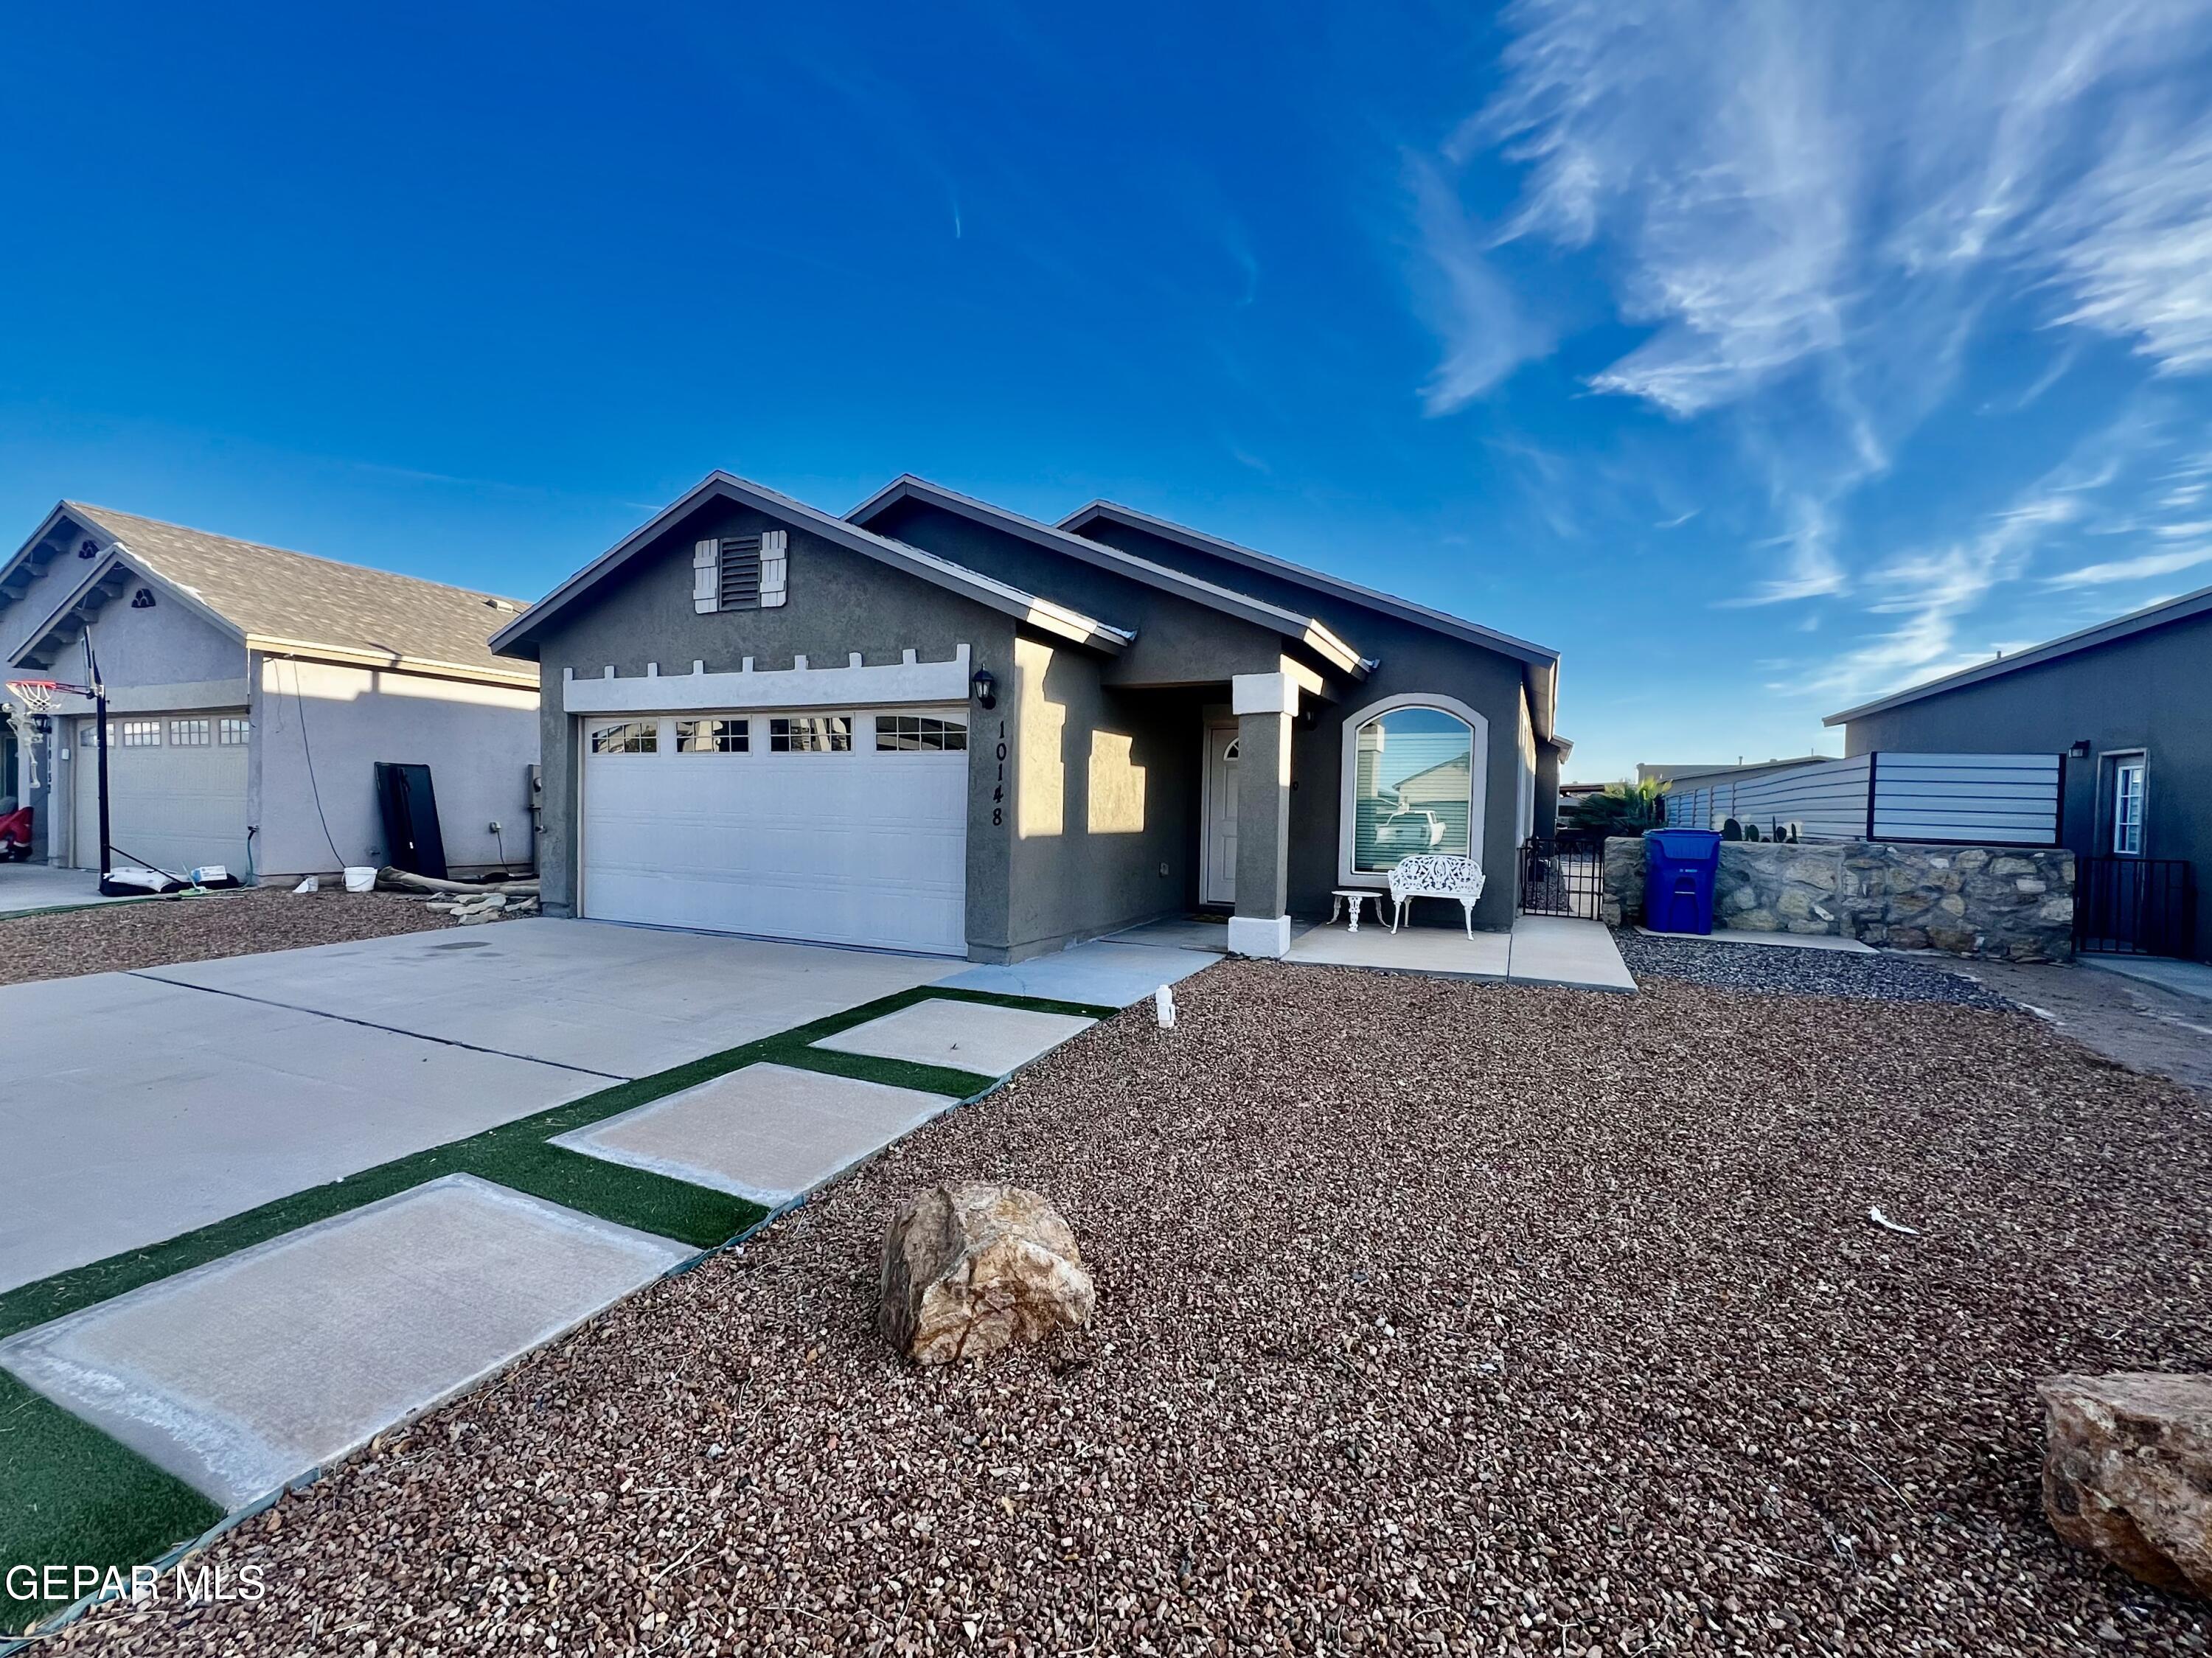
{"x":36,"y":695}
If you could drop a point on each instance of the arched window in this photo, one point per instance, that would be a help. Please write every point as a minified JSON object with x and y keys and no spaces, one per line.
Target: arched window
{"x":1413,"y":783}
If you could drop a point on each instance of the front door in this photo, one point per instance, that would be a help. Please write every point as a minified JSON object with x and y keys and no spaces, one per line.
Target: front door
{"x":1218,"y":862}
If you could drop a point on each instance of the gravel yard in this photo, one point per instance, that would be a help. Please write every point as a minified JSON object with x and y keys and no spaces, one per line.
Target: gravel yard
{"x":1433,"y":1315}
{"x":160,"y":931}
{"x":1781,"y":970}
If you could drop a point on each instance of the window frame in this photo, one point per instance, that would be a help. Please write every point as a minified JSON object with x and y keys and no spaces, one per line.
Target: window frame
{"x":233,"y":730}
{"x":650,"y":728}
{"x":137,"y":732}
{"x":1478,"y":781}
{"x":688,"y":728}
{"x":199,"y":729}
{"x":925,"y":726}
{"x":2125,"y":762}
{"x":779,"y":733}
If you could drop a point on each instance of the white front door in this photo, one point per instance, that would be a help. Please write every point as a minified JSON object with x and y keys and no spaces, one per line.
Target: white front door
{"x":1216,"y":882}
{"x":846,"y":827}
{"x":176,"y":791}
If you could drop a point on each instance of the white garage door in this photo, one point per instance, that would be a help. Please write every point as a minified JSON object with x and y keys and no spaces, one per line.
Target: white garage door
{"x":845,"y":827}
{"x":176,"y":791}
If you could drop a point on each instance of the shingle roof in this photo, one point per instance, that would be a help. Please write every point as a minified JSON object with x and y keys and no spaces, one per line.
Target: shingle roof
{"x":269,"y":592}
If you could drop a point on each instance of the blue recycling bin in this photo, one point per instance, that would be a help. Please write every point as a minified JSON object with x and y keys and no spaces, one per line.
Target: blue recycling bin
{"x":1678,"y":869}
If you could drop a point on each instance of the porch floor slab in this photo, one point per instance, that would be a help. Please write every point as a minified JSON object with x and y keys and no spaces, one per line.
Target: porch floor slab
{"x":1732,"y":935}
{"x":256,"y":1369}
{"x":1446,"y":950}
{"x":1550,"y":949}
{"x":1559,"y":950}
{"x":767,"y":1133}
{"x":1179,"y":932}
{"x":972,"y":1036}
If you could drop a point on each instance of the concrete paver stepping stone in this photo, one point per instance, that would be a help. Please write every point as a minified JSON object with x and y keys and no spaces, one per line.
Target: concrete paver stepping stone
{"x":246,"y":1373}
{"x":973,"y":1036}
{"x":767,"y":1133}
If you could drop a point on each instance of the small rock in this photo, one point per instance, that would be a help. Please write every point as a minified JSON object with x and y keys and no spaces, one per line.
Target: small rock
{"x":2127,"y":1472}
{"x":969,"y":1270}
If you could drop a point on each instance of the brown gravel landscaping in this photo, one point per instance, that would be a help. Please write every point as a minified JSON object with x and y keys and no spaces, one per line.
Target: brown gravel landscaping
{"x":161,"y":931}
{"x":1433,"y":1315}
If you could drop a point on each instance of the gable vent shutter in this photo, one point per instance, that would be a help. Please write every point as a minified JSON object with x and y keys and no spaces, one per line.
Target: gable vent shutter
{"x":741,"y":573}
{"x":706,"y":576}
{"x":775,"y":560}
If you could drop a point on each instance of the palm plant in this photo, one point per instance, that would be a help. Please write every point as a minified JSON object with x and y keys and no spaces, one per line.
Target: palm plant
{"x":1617,"y":809}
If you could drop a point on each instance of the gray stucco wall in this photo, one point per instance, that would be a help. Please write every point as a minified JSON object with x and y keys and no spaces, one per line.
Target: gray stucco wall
{"x":1411,"y":660}
{"x":478,"y":741}
{"x":1547,"y":791}
{"x":2145,"y":692}
{"x":1101,"y":826}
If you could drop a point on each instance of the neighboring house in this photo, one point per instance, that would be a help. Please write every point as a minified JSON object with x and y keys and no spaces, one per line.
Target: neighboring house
{"x":2125,"y":702}
{"x":938,"y":726}
{"x":250,"y":690}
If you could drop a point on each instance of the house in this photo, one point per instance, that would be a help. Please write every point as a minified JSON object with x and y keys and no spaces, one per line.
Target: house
{"x":934,"y":724}
{"x":250,"y":690}
{"x":2124,"y":702}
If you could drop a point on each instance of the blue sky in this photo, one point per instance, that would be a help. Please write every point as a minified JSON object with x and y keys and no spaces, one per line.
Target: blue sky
{"x":1760,"y":357}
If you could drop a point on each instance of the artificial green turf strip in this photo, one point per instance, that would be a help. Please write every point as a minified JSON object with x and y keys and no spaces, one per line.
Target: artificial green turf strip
{"x":75,"y":1496}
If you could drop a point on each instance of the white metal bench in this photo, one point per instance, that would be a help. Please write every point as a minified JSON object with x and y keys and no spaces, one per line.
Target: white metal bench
{"x":1436,"y":874}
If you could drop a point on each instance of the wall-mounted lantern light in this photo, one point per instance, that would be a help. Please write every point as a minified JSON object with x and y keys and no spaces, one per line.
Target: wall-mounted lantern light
{"x":986,"y":687}
{"x":2079,"y":750}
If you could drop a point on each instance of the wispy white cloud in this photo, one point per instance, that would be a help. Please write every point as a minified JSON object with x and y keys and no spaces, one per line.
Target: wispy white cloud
{"x":1778,"y":186}
{"x":2131,"y":569}
{"x":1486,"y":330}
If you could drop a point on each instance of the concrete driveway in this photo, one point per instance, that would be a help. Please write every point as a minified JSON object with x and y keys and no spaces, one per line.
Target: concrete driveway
{"x":141,"y":1105}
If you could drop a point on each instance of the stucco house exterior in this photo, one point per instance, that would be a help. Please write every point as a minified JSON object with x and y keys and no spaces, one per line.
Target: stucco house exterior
{"x":934,"y":724}
{"x":251,"y":692}
{"x":2125,"y":702}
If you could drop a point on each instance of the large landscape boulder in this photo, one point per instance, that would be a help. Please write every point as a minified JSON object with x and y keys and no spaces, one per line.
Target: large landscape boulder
{"x":969,"y":1270}
{"x":2127,"y":1472}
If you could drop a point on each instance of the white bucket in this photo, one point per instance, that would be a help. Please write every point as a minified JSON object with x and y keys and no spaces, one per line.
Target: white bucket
{"x":358,"y":879}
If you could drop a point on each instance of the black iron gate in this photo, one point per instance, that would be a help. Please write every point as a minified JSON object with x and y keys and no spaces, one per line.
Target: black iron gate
{"x":2132,"y":906}
{"x":1562,"y":877}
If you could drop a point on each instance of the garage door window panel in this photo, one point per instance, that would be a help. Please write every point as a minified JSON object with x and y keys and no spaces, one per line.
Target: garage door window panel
{"x":632,"y":737}
{"x":811,"y":733}
{"x":713,"y":736}
{"x":189,"y":734}
{"x":136,"y":734}
{"x":920,"y":734}
{"x":233,"y":732}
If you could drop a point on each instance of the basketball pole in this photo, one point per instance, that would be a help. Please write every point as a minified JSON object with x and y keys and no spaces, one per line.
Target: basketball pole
{"x":100,"y":728}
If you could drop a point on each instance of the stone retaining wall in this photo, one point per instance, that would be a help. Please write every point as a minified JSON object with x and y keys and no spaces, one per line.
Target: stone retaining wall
{"x":2009,"y":902}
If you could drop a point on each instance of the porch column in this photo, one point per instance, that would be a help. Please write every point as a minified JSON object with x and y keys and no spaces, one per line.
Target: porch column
{"x":1265,"y":704}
